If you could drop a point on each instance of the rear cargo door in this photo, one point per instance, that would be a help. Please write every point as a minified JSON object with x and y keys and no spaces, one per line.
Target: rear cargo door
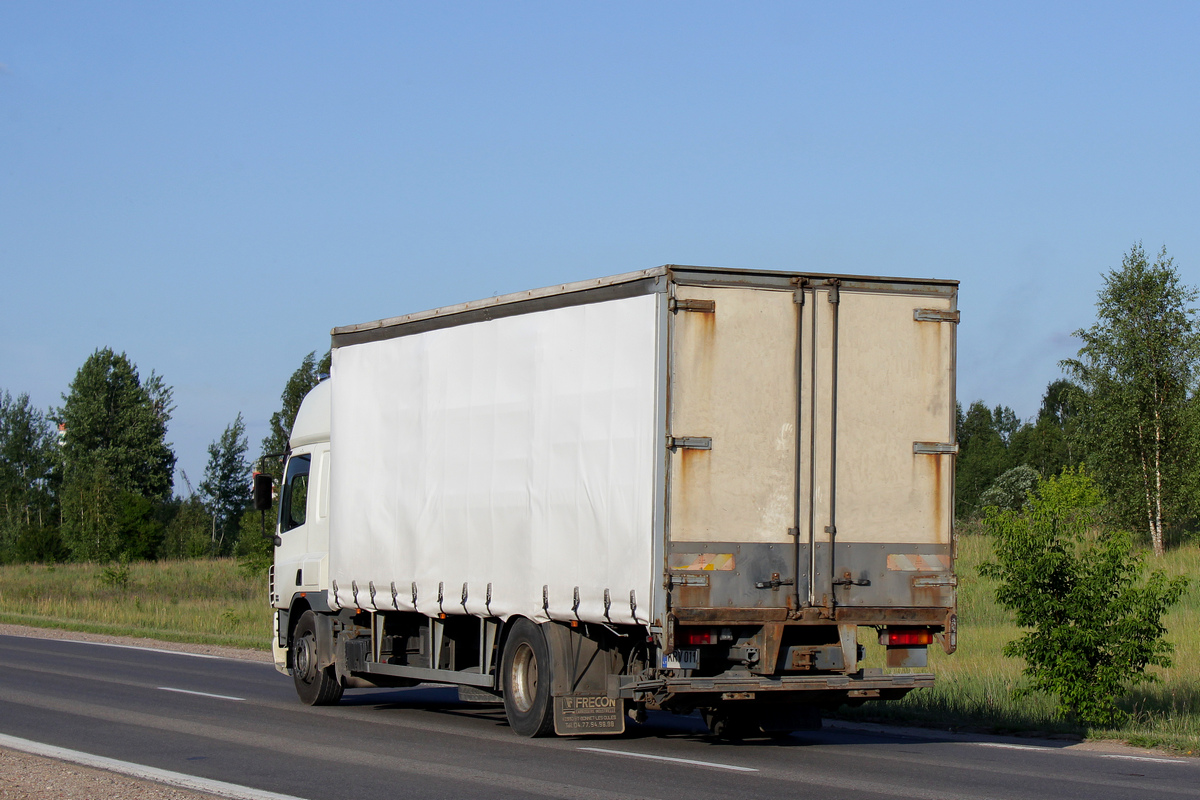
{"x":893,"y":505}
{"x":733,"y":456}
{"x":811,"y":440}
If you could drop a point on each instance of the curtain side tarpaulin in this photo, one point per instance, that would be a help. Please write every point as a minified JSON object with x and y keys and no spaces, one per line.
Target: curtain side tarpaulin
{"x":516,"y":453}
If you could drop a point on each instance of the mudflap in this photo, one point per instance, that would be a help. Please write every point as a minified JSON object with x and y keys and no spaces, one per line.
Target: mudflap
{"x":582,"y":668}
{"x":581,"y":714}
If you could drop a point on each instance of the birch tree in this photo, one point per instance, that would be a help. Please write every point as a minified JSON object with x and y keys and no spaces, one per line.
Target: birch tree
{"x":1137,"y":372}
{"x":226,"y":484}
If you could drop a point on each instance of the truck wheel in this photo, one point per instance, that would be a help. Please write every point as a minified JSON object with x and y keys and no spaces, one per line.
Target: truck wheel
{"x":525,"y":672}
{"x":316,"y":686}
{"x":782,"y":720}
{"x":728,"y":726}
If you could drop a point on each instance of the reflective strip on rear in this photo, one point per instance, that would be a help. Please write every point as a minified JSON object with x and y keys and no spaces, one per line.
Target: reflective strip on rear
{"x":911,"y":562}
{"x":703,"y":561}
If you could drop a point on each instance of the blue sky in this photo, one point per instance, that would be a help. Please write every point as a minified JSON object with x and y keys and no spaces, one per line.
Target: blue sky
{"x":211,"y":187}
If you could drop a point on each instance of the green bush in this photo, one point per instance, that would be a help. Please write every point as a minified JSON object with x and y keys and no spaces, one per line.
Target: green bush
{"x":254,"y":551}
{"x":1093,"y":624}
{"x":1012,"y":489}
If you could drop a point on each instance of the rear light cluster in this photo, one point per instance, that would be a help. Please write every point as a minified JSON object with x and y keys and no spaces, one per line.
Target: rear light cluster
{"x":693,"y":636}
{"x":906,"y":637}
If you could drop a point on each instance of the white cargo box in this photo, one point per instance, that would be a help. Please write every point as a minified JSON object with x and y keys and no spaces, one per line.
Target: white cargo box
{"x":561,"y":454}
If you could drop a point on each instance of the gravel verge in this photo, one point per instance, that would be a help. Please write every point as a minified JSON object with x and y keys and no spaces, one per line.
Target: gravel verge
{"x":29,"y":777}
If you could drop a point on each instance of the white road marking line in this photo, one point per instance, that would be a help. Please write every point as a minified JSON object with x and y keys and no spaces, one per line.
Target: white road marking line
{"x":1014,"y":746}
{"x":1148,"y":758}
{"x":712,"y":764}
{"x":201,"y":694}
{"x":136,"y":647}
{"x":219,"y":788}
{"x":1102,"y":755}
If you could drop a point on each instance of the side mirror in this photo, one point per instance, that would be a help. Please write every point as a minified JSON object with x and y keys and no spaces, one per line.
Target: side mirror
{"x":263,"y":488}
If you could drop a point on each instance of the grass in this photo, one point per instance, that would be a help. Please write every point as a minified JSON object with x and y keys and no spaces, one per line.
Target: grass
{"x":202,"y":601}
{"x":975,"y":685}
{"x":213,"y":602}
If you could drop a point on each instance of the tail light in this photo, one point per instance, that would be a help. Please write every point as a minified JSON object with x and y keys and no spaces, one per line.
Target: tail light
{"x":697,"y":636}
{"x":906,"y":637}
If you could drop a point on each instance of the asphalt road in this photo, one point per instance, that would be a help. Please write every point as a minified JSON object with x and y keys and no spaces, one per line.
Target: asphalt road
{"x":240,"y":722}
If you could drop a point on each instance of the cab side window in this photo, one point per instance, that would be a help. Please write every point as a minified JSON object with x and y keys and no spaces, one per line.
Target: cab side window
{"x":295,"y":493}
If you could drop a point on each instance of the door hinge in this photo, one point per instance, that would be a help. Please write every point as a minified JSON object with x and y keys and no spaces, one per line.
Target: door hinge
{"x":934,"y":448}
{"x":676,"y":305}
{"x":689,"y":442}
{"x":798,"y":293}
{"x":935,"y":315}
{"x":834,"y":286}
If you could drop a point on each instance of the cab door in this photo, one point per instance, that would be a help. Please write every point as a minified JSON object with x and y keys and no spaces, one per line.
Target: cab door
{"x":293,"y":529}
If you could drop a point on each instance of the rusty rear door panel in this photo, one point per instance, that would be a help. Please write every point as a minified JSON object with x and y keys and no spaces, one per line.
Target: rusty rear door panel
{"x":730,"y":509}
{"x":895,"y":451}
{"x":828,"y":481}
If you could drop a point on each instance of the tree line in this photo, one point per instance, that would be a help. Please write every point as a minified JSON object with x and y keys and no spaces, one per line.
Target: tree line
{"x":1111,"y":454}
{"x":93,"y":479}
{"x":1127,"y":413}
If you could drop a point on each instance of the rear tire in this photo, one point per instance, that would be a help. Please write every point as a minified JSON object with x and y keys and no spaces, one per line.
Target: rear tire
{"x":526,"y":675}
{"x":316,"y":686}
{"x":728,"y":726}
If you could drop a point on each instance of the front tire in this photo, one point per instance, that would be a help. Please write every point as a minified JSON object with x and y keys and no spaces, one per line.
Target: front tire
{"x":526,"y":672}
{"x":316,"y":686}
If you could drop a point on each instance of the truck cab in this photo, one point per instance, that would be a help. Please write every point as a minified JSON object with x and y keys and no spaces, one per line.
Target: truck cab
{"x":300,"y":574}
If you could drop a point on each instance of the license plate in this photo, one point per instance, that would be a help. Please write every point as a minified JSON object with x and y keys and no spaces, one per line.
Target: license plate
{"x":682,"y":659}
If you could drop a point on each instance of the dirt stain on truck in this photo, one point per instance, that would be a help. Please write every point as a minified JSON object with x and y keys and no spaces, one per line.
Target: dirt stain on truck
{"x":697,"y":349}
{"x":930,"y":469}
{"x":695,"y":477}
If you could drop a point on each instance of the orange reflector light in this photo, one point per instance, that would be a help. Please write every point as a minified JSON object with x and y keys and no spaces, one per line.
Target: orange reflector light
{"x":701,"y":636}
{"x":906,"y":637}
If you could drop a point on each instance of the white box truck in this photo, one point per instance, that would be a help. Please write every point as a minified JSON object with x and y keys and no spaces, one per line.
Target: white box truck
{"x":685,"y":488}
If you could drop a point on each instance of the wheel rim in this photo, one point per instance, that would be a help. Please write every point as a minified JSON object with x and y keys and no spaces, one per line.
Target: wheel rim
{"x":524,"y":678}
{"x":304,"y":658}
